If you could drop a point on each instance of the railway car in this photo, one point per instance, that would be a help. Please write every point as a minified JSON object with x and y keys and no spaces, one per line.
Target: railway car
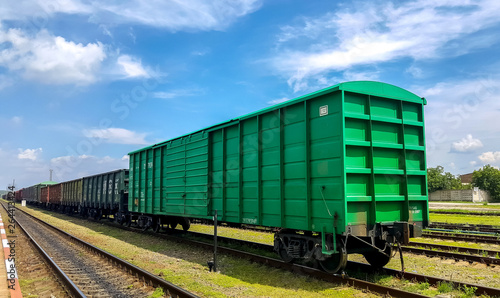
{"x":18,"y":195}
{"x":54,"y":196}
{"x":50,"y":196}
{"x":71,"y":195}
{"x":105,"y":194}
{"x":338,"y":171}
{"x":44,"y":196}
{"x":32,"y":194}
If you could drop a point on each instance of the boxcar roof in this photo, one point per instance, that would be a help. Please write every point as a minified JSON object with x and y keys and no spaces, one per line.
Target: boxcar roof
{"x":100,"y":174}
{"x":364,"y":87}
{"x":48,"y":183}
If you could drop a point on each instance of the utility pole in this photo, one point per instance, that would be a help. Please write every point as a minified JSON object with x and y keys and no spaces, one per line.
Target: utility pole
{"x":51,"y":174}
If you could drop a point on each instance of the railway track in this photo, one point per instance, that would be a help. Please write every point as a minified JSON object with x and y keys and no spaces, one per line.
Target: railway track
{"x":466,"y":250}
{"x":463,"y":237}
{"x":481,"y":290}
{"x":466,"y":227}
{"x":184,"y":237}
{"x":180,"y":236}
{"x":80,"y":267}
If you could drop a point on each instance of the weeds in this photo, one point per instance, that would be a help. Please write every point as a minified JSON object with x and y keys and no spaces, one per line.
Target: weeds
{"x":445,"y":287}
{"x":157,"y":293}
{"x":469,"y":291}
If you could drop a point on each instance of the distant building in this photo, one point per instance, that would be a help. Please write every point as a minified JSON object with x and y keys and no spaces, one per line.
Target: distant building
{"x":466,"y":178}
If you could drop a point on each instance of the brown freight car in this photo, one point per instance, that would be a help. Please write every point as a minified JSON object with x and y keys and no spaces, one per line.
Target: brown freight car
{"x":54,"y":199}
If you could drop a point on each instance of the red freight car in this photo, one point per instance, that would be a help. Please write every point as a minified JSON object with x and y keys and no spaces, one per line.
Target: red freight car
{"x":18,"y":195}
{"x":54,"y":198}
{"x":44,"y":195}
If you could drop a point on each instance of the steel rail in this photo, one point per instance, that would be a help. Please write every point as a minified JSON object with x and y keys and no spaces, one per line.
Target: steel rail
{"x":462,"y":237}
{"x":452,"y":255}
{"x":155,"y":281}
{"x":467,"y":250}
{"x":70,"y":287}
{"x":466,"y":227}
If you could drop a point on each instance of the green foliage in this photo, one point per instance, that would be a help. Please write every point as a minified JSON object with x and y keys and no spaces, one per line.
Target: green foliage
{"x":469,"y":291}
{"x":437,"y":179}
{"x":445,"y":287}
{"x":488,"y":178}
{"x":157,"y":293}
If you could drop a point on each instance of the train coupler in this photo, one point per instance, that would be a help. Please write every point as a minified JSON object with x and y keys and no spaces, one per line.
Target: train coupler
{"x":398,"y":231}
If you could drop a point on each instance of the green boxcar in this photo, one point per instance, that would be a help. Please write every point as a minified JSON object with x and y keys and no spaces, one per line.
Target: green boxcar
{"x":344,"y":160}
{"x":72,"y":194}
{"x":32,"y":194}
{"x":104,"y":194}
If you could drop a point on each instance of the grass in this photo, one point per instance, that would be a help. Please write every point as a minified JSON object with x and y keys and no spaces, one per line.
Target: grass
{"x":445,"y":287}
{"x":465,"y":219}
{"x":187,"y":266}
{"x":157,"y":293}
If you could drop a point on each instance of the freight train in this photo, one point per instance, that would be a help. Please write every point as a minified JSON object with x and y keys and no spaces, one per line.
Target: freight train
{"x":338,"y":171}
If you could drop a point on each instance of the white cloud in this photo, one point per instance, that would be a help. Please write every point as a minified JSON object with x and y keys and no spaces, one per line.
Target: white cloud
{"x":31,"y":154}
{"x":170,"y":14}
{"x":116,"y":136}
{"x":277,"y":101}
{"x":71,"y":167}
{"x":415,"y":71}
{"x":50,"y":59}
{"x":467,"y":144}
{"x":126,"y":157}
{"x":377,"y":32}
{"x":473,"y":163}
{"x":490,"y":157}
{"x":200,"y":52}
{"x":5,"y":81}
{"x":176,"y":93}
{"x":469,"y":105}
{"x":132,"y":67}
{"x":39,"y":11}
{"x":16,"y":119}
{"x":350,"y":75}
{"x":175,"y":15}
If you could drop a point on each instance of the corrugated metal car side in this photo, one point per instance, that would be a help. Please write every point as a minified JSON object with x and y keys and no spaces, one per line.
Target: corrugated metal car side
{"x":54,"y":196}
{"x":72,"y":192}
{"x":171,"y":178}
{"x":103,"y":190}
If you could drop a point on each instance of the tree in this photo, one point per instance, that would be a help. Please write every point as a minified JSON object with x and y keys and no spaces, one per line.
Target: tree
{"x":437,"y":179}
{"x":488,"y":178}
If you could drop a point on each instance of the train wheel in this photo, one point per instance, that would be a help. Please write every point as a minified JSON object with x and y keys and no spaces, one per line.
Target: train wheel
{"x":172,"y":222}
{"x":157,"y":225}
{"x":378,"y":259}
{"x":335,"y":262}
{"x":285,"y":256}
{"x":185,"y":223}
{"x":128,"y":221}
{"x":98,"y":214}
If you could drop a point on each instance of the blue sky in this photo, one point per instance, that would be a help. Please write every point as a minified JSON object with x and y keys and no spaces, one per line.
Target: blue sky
{"x":82,"y":83}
